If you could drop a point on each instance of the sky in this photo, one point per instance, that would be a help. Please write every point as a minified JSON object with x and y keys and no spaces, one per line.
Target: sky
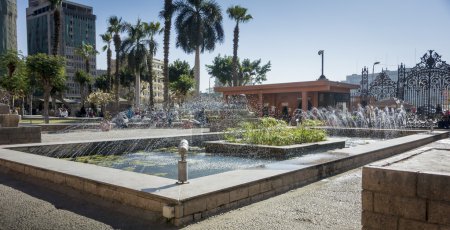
{"x":289,"y":34}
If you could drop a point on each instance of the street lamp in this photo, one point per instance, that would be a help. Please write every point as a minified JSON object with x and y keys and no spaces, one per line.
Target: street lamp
{"x":322,"y":77}
{"x":373,"y":69}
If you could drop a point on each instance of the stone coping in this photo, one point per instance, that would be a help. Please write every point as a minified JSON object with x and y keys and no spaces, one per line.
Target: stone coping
{"x":108,"y":146}
{"x":266,"y":151}
{"x":408,"y":191}
{"x":212,"y":194}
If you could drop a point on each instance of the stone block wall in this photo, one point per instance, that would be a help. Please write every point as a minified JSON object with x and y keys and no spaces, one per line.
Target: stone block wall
{"x":395,"y":199}
{"x":20,"y":135}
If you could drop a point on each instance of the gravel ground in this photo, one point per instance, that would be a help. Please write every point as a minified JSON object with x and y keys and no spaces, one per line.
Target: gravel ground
{"x":333,"y":203}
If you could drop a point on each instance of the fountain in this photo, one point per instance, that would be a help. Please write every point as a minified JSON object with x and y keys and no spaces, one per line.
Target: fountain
{"x":217,"y":183}
{"x":11,"y":133}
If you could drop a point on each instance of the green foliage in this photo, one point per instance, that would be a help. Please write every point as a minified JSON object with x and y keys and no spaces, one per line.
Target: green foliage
{"x":102,"y":83}
{"x":222,"y":69}
{"x":199,"y":25}
{"x":82,"y":78}
{"x":178,"y":68}
{"x":239,"y":14}
{"x":15,"y":80}
{"x":49,"y":70}
{"x":270,"y":131}
{"x":312,"y":123}
{"x":249,"y":72}
{"x":182,"y":86}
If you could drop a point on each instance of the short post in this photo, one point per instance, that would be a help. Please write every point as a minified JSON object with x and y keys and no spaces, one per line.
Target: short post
{"x":182,"y":164}
{"x":431,"y":126}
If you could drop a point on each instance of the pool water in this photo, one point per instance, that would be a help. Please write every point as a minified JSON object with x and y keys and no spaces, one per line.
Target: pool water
{"x":163,"y":162}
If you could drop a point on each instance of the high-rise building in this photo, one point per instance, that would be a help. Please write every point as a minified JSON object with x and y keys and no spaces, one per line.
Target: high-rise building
{"x":8,"y":27}
{"x":77,"y":27}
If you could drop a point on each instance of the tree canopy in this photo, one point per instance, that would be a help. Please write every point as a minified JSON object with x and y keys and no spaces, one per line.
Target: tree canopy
{"x":49,"y":71}
{"x":249,"y":72}
{"x":178,"y":68}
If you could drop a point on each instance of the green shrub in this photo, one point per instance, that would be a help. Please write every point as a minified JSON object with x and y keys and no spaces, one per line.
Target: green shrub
{"x":270,"y":131}
{"x":312,"y":123}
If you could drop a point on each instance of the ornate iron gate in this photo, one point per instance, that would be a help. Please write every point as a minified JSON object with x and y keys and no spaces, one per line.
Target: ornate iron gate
{"x":383,"y":87}
{"x":426,"y":85}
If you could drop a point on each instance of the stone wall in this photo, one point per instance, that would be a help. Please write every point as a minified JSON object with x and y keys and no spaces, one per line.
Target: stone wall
{"x":20,"y":135}
{"x":396,"y":199}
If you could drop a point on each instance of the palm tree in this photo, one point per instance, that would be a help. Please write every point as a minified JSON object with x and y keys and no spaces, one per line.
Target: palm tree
{"x":239,"y":14}
{"x":107,"y":38}
{"x":134,"y":48}
{"x":116,"y":27}
{"x":199,"y":27}
{"x":55,"y":5}
{"x":151,"y":29}
{"x":167,"y":14}
{"x":86,"y":51}
{"x":82,"y":79}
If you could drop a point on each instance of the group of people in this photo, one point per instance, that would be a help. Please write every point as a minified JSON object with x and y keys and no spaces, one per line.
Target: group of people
{"x":63,"y":112}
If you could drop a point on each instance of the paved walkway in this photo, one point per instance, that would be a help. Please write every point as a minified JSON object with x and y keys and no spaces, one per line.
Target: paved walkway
{"x":333,"y":203}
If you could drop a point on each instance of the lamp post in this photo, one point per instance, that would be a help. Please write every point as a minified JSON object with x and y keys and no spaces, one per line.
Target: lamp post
{"x":373,"y":69}
{"x":322,"y":77}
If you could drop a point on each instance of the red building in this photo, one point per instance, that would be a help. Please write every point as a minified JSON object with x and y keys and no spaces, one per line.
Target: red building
{"x":275,"y":98}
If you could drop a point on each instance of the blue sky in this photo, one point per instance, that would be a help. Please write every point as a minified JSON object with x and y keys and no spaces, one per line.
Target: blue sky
{"x":289,"y":33}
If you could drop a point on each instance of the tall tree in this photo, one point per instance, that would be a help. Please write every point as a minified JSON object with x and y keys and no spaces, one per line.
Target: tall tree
{"x":199,"y":27}
{"x":135,"y":49}
{"x":167,"y":14}
{"x":50,"y":71}
{"x":115,"y":27}
{"x":55,"y":6}
{"x":83,"y":79}
{"x":239,"y":14}
{"x":151,"y":30}
{"x":86,"y":51}
{"x":15,"y":81}
{"x":107,"y":39}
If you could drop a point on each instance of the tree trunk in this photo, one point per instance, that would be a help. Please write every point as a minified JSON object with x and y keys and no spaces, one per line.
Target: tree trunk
{"x":235,"y":55}
{"x":82,"y":94}
{"x":57,"y":21}
{"x":137,"y":89}
{"x":47,"y":90}
{"x":150,"y":73}
{"x":167,"y":28}
{"x":108,"y":69}
{"x":197,"y":71}
{"x":116,"y":79}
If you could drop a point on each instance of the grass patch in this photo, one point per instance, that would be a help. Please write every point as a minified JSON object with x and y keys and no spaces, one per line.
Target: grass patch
{"x":270,"y":131}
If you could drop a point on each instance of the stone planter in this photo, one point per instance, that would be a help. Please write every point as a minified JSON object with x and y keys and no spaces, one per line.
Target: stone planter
{"x":264,"y":151}
{"x":9,"y":120}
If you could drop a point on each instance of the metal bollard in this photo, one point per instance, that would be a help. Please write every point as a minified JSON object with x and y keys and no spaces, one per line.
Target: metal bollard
{"x":431,"y":126}
{"x":182,"y":164}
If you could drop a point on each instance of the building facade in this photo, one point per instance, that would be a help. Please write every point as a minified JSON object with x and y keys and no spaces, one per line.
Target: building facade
{"x":288,"y":97}
{"x":8,"y":26}
{"x":77,"y":27}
